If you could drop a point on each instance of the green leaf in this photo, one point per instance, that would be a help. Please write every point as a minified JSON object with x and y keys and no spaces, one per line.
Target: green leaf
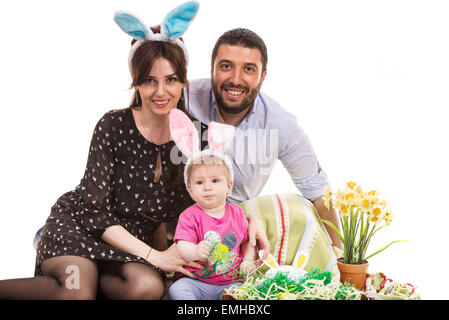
{"x":382,"y":249}
{"x":330,"y":224}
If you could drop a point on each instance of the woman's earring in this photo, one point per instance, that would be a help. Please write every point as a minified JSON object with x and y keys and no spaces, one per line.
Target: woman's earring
{"x":138,"y":98}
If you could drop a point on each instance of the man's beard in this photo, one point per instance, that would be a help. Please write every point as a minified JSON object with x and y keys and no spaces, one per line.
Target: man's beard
{"x":247,"y":102}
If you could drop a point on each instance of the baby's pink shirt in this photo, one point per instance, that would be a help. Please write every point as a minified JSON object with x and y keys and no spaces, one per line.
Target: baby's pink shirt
{"x":194,"y":223}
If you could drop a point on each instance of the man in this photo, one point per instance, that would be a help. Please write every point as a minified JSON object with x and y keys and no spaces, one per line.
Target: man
{"x":232,"y":96}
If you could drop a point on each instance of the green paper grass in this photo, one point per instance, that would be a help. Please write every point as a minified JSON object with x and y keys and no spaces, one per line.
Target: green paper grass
{"x":315,"y":285}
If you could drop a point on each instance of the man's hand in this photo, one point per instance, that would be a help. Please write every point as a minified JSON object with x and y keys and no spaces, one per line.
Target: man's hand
{"x":257,"y":235}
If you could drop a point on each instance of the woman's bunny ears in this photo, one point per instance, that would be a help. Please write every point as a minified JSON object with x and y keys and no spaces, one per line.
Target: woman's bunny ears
{"x":185,"y":135}
{"x":173,"y":26}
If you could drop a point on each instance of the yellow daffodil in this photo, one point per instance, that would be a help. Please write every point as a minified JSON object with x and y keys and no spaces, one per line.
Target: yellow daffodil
{"x":349,"y":196}
{"x":351,"y":199}
{"x":365,"y":204}
{"x":327,"y":196}
{"x":388,"y":216}
{"x":343,"y":208}
{"x":340,"y":203}
{"x":377,"y":211}
{"x":376,"y":214}
{"x":351,"y":184}
{"x":340,"y":197}
{"x":373,"y":197}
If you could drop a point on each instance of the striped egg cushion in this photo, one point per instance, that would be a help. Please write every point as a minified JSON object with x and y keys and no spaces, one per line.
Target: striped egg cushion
{"x":295,"y":232}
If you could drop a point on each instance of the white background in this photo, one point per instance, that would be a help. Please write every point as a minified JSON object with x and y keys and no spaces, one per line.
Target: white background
{"x":367,"y":80}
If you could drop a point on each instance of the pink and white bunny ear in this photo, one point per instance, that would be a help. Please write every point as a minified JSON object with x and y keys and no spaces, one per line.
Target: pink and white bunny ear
{"x":184,"y":133}
{"x":220,"y":136}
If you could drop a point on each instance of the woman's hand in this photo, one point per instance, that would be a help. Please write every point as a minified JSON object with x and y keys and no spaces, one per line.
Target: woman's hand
{"x":256,"y":234}
{"x":168,"y":260}
{"x":171,"y":261}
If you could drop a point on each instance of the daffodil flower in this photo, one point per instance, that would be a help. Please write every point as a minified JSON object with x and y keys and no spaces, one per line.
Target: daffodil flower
{"x":362,"y":214}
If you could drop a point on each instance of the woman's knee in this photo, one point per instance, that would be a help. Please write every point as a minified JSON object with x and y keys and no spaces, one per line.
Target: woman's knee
{"x":76,"y":277}
{"x":143,"y":282}
{"x":147,"y":288}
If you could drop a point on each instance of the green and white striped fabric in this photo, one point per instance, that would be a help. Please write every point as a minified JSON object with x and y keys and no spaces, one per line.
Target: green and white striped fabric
{"x":295,"y":232}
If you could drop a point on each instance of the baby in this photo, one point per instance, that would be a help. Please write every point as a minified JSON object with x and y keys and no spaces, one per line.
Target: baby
{"x":212,"y":229}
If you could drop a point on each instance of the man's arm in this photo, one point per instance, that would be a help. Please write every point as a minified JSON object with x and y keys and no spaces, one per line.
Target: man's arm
{"x":331,"y":215}
{"x":298,"y":157}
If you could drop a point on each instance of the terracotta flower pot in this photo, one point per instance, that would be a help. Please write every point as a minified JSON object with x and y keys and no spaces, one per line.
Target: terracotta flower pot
{"x":355,"y":274}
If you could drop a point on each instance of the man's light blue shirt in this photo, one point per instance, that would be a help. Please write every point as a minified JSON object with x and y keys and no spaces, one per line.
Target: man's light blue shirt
{"x":266,"y":134}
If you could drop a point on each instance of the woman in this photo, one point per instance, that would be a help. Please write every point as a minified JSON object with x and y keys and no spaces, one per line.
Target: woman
{"x":97,"y":238}
{"x":100,"y":232}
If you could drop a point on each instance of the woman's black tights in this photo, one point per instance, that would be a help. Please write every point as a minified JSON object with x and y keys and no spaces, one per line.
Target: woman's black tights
{"x":72,"y":277}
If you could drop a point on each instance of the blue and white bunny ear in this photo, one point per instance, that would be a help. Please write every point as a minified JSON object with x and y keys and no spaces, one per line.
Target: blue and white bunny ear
{"x":131,"y":25}
{"x":178,"y":20}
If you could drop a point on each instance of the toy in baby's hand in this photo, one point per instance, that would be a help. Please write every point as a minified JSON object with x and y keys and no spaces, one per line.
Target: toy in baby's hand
{"x":222,"y":256}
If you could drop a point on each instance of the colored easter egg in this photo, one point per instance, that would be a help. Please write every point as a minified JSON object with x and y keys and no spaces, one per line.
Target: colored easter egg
{"x":230,"y":240}
{"x":212,"y":237}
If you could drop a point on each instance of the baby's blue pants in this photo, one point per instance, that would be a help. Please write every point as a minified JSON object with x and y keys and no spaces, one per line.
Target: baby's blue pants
{"x":191,"y":289}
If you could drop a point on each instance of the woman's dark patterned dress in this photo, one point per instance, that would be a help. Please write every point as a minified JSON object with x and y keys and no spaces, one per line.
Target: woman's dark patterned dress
{"x":118,"y":188}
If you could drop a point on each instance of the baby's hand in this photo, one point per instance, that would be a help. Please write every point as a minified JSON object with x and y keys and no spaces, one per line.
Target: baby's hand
{"x":203,"y":249}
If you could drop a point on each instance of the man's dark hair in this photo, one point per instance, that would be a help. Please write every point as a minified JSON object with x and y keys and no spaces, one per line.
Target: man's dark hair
{"x":245,"y":38}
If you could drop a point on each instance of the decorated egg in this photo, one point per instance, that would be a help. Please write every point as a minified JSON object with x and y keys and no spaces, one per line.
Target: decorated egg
{"x":285,"y":269}
{"x":230,"y":240}
{"x":270,"y":273}
{"x":296,"y":275}
{"x":212,"y":237}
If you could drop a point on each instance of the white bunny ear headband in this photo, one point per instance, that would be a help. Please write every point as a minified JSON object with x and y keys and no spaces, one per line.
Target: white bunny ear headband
{"x":173,"y":26}
{"x":185,"y":135}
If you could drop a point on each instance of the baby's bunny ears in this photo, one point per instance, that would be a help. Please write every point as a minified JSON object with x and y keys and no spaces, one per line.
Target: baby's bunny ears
{"x":173,"y":26}
{"x":185,"y":135}
{"x":220,"y":136}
